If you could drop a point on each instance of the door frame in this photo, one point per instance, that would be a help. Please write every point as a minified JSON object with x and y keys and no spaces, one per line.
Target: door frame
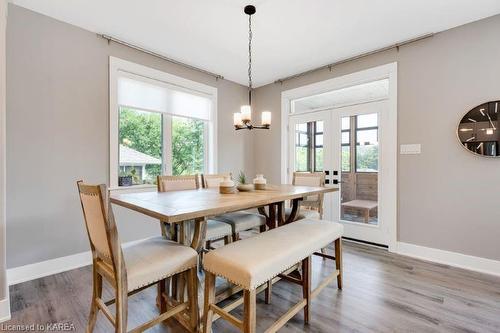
{"x":388,"y":122}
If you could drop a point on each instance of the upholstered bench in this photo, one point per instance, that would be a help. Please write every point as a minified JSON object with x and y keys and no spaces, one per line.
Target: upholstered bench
{"x":253,"y":262}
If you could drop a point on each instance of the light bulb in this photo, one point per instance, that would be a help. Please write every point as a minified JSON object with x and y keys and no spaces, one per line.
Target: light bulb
{"x":266,"y":118}
{"x":237,"y":119}
{"x":246,"y":113}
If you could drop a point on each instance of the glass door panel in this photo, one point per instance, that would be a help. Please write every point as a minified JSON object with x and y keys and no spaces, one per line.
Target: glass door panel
{"x":359,"y":176}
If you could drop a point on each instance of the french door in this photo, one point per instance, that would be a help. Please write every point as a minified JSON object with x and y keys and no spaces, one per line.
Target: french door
{"x":346,"y":144}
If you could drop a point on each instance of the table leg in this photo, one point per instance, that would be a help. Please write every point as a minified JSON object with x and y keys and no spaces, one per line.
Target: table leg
{"x":271,"y":218}
{"x":281,"y":213}
{"x":295,"y":210}
{"x":262,"y":211}
{"x":200,"y":234}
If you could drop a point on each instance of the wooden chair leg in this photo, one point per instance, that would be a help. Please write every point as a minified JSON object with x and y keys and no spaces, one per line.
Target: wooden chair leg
{"x":338,"y":261}
{"x":193,"y":299}
{"x":181,"y":287}
{"x":96,"y":293}
{"x":174,"y":285}
{"x":236,"y":236}
{"x":164,"y":229}
{"x":250,"y":314}
{"x":121,"y":311}
{"x":227,"y":240}
{"x":269,"y":291}
{"x":209,"y":299}
{"x":262,"y":228}
{"x":161,"y":291}
{"x":306,"y":287}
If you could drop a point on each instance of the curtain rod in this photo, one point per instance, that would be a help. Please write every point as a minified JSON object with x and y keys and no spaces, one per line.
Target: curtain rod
{"x":359,"y":56}
{"x":138,"y":48}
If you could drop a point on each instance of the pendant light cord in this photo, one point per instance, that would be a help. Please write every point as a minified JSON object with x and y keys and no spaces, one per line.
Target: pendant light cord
{"x":249,"y":59}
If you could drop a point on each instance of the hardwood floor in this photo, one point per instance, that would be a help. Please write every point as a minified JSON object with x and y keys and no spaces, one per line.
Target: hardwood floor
{"x":382,"y":292}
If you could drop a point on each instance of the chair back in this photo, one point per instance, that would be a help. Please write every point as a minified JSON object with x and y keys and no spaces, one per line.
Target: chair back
{"x":314,"y":179}
{"x":213,"y":181}
{"x":99,"y":221}
{"x":178,"y":183}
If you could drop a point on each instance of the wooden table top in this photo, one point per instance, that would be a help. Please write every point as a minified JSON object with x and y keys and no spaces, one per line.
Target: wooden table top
{"x":179,"y":206}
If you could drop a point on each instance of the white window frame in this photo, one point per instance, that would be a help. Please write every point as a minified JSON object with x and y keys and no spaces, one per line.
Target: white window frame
{"x":117,"y":65}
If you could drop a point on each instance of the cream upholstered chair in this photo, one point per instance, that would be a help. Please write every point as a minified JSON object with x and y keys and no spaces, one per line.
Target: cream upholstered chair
{"x":239,"y":221}
{"x":311,"y":206}
{"x":213,"y":180}
{"x":215,"y":229}
{"x":134,"y":268}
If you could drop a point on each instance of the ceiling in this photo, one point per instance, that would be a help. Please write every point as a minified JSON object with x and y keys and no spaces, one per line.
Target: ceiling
{"x":290,"y":36}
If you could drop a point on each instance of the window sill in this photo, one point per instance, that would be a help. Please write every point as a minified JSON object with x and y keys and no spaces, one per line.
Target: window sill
{"x":133,"y":188}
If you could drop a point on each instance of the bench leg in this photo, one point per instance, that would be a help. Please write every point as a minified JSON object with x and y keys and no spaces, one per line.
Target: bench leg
{"x":367,"y":215}
{"x":338,"y":261}
{"x":250,"y":314}
{"x":209,"y":299}
{"x":306,"y":287}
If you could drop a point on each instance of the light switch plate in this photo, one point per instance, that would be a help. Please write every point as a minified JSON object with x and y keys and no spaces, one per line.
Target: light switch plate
{"x":411,"y":149}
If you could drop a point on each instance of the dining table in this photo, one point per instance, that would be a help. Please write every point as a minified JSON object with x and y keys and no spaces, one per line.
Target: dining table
{"x":183,"y":207}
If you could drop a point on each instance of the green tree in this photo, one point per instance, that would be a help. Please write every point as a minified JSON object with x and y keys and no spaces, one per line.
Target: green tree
{"x":188,"y":146}
{"x":142,"y":131}
{"x":367,"y":158}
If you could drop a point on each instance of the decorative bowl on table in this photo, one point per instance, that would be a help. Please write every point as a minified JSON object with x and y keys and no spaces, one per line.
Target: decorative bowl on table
{"x":245,"y":187}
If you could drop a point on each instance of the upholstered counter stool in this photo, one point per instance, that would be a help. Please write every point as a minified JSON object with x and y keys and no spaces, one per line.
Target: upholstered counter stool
{"x":134,"y":268}
{"x":312,"y":206}
{"x":253,"y":262}
{"x":215,"y":229}
{"x":238,"y":221}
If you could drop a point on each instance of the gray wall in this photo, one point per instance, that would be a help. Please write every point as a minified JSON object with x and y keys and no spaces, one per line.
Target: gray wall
{"x":3,"y":267}
{"x":448,"y":198}
{"x":57,"y":120}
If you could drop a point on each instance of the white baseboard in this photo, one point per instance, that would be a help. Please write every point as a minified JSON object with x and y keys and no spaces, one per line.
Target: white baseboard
{"x":48,"y":267}
{"x":53,"y":266}
{"x":454,"y":259}
{"x":5,"y":309}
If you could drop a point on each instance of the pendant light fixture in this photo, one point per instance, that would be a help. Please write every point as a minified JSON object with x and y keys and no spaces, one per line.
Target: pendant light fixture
{"x":243,"y":119}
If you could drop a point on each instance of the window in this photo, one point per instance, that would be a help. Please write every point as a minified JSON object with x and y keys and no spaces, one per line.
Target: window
{"x":309,"y":146}
{"x":367,"y":143}
{"x":159,"y":124}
